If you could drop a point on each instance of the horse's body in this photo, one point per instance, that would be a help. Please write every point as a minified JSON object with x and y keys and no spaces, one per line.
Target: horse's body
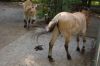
{"x":67,"y":24}
{"x":72,"y":22}
{"x":29,"y":13}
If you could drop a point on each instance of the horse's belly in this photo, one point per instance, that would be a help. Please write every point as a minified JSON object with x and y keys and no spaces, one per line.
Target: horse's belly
{"x":74,"y":32}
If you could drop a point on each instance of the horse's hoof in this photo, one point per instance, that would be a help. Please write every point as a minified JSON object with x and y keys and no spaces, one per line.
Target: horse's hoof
{"x":25,"y":26}
{"x":32,"y":21}
{"x":50,"y":59}
{"x":69,"y":57}
{"x":78,"y":49}
{"x":82,"y":51}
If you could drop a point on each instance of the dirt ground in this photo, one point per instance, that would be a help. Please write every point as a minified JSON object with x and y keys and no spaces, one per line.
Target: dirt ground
{"x":17,"y":44}
{"x":11,"y":23}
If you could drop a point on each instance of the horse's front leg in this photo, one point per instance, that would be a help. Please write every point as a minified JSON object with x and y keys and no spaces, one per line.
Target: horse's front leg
{"x":25,"y":23}
{"x":67,"y":40}
{"x":28,"y":23}
{"x":78,"y":39}
{"x":33,"y":19}
{"x":84,"y":41}
{"x":51,"y":43}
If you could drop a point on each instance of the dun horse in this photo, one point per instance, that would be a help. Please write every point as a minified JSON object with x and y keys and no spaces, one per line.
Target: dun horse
{"x":68,"y":24}
{"x":29,"y":13}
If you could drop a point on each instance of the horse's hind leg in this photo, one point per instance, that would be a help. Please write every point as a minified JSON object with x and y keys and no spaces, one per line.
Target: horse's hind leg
{"x":78,"y":39}
{"x":84,"y":41}
{"x":67,"y":40}
{"x":51,"y":43}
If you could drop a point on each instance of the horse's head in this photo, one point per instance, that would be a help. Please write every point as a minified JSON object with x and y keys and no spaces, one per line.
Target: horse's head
{"x":35,"y":6}
{"x":88,"y":14}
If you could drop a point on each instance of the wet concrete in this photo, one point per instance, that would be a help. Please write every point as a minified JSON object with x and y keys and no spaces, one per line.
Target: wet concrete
{"x":17,"y":44}
{"x":22,"y":53}
{"x":94,"y":26}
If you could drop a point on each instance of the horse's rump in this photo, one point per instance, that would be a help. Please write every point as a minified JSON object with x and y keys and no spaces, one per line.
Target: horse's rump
{"x":69,"y":22}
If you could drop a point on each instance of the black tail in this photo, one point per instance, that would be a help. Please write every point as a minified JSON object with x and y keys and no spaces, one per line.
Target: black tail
{"x":45,"y":32}
{"x":39,"y":34}
{"x":52,"y":28}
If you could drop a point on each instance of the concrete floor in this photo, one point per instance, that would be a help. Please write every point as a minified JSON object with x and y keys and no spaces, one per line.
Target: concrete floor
{"x":21,"y":52}
{"x":17,"y":44}
{"x":11,"y":23}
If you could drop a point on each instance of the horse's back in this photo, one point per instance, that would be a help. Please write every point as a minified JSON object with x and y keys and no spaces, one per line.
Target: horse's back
{"x":81,"y":18}
{"x":68,"y":23}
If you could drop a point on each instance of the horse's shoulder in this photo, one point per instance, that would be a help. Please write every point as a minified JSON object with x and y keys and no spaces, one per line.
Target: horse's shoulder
{"x":78,"y":15}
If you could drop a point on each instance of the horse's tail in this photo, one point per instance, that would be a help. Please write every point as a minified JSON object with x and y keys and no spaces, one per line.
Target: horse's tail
{"x":49,"y":28}
{"x":53,"y":23}
{"x":39,"y":34}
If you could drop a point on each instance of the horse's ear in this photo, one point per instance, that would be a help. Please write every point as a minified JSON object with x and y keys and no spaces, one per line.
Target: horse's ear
{"x":35,"y":6}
